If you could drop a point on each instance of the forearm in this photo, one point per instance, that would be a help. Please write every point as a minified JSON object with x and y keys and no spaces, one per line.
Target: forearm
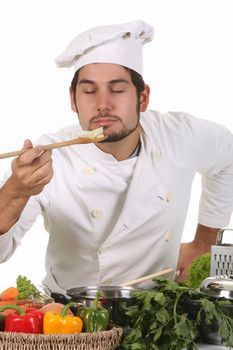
{"x":12,"y":204}
{"x":205,"y":237}
{"x":30,"y":173}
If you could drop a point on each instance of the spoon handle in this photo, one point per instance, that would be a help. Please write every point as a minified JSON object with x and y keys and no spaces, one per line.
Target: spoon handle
{"x":79,"y":140}
{"x":145,"y":278}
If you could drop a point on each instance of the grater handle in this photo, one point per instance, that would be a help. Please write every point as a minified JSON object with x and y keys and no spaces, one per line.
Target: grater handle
{"x":220,"y":236}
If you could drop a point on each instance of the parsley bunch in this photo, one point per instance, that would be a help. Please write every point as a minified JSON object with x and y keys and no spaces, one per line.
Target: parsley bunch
{"x":159,"y":319}
{"x":27,"y":290}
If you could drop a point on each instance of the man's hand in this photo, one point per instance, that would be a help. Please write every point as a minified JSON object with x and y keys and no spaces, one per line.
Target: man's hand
{"x":188,"y":252}
{"x":32,"y":170}
{"x":205,"y":237}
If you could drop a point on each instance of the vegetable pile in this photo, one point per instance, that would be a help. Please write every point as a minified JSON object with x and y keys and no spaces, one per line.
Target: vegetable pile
{"x":159,"y":319}
{"x":17,"y":315}
{"x":24,"y":289}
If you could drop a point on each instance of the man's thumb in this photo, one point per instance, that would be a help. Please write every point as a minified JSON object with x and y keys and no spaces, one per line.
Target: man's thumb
{"x":27,"y":144}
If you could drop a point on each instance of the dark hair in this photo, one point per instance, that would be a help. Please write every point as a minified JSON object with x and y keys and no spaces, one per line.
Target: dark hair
{"x":136,"y":78}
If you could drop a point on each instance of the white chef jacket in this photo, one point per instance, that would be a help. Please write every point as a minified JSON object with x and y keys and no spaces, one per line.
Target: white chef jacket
{"x":112,"y":221}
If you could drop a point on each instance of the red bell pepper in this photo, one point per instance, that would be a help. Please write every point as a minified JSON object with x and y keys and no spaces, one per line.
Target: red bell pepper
{"x":38,"y":314}
{"x":29,"y":321}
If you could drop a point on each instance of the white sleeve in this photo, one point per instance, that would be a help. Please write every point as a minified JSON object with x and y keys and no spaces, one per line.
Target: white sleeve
{"x":215,"y":164}
{"x":11,"y":239}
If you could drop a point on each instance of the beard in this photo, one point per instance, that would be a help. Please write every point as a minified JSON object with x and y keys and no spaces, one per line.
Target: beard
{"x":118,"y":136}
{"x":114,"y":136}
{"x":124,"y":132}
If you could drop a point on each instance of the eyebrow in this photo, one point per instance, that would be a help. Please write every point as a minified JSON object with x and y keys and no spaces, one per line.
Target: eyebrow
{"x":111,"y":82}
{"x":86,"y":81}
{"x":116,"y":81}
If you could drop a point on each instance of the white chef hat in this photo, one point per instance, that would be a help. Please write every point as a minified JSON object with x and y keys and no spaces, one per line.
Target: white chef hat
{"x":120,"y":44}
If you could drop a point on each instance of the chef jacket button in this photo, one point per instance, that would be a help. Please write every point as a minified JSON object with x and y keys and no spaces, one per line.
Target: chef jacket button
{"x":168,"y":236}
{"x":169,"y":197}
{"x":102,"y":250}
{"x":106,"y":282}
{"x":158,"y":155}
{"x":97,"y":213}
{"x":88,"y":170}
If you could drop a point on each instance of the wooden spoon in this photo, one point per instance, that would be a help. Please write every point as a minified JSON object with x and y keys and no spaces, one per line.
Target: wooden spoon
{"x":79,"y":140}
{"x":145,"y":278}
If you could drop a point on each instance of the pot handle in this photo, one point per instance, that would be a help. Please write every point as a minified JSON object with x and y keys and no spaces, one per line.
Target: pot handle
{"x":60,"y":298}
{"x":63,"y":299}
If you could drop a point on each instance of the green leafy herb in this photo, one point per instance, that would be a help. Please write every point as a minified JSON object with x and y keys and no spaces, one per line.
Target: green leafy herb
{"x":27,"y":290}
{"x":198,"y":271}
{"x":160,"y":320}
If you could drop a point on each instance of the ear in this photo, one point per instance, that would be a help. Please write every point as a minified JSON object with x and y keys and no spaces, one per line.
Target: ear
{"x":72,"y":101}
{"x":144,"y":98}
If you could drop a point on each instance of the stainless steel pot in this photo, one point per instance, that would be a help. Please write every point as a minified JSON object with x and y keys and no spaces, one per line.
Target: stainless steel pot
{"x":115,"y":298}
{"x":218,"y":287}
{"x":209,"y":333}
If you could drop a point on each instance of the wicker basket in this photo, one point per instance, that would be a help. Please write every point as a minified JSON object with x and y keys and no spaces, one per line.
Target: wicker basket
{"x":106,"y":340}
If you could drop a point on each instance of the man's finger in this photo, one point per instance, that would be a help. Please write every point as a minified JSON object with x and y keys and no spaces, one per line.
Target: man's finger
{"x":28,"y":156}
{"x":43,"y":174}
{"x":27,"y":144}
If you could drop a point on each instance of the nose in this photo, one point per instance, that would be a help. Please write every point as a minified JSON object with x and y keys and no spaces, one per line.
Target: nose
{"x":104,"y":103}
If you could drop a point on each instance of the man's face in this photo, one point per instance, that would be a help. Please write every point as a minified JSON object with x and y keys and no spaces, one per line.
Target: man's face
{"x":106,"y":97}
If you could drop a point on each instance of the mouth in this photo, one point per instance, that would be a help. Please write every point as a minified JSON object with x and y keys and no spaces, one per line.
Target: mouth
{"x":104,"y":122}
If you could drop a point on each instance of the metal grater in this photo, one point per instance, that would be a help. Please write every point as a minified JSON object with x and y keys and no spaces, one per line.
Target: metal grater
{"x":221,"y":256}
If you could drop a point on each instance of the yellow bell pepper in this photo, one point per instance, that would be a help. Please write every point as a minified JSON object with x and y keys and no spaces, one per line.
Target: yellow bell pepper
{"x":62,"y":323}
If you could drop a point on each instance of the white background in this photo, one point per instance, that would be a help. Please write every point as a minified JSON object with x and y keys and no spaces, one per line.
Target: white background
{"x":189,"y":66}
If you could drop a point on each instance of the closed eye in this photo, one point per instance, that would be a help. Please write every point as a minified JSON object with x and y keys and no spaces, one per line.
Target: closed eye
{"x":117,"y":91}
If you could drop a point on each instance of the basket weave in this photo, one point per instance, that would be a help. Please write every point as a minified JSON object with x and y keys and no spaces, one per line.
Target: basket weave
{"x":106,"y":340}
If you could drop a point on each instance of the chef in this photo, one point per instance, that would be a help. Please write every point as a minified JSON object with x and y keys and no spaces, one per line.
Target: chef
{"x":115,"y":210}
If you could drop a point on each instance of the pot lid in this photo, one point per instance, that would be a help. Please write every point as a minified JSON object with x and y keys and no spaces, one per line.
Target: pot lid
{"x":218,"y":286}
